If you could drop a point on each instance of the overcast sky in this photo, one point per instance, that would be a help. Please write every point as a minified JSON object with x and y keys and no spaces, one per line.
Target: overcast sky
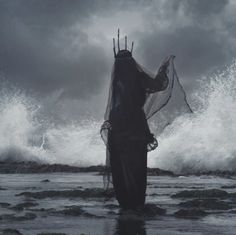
{"x":61,"y":50}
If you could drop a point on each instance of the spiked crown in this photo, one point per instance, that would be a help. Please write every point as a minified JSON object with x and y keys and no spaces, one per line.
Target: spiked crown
{"x":121,"y":53}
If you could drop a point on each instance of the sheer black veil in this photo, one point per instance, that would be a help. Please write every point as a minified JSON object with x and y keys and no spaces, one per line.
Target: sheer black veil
{"x":153,"y":102}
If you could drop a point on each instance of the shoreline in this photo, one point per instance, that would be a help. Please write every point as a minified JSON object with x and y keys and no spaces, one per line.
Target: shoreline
{"x":32,"y":167}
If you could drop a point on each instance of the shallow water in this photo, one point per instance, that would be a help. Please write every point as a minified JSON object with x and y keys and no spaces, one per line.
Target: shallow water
{"x":159,"y":191}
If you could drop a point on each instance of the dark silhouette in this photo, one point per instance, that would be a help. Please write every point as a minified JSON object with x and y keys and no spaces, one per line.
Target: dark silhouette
{"x":133,"y":98}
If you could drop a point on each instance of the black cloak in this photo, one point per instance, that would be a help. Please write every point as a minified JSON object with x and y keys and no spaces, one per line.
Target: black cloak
{"x":134,"y":97}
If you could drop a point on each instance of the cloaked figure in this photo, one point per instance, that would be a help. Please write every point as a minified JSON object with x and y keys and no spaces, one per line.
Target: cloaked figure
{"x":134,"y":97}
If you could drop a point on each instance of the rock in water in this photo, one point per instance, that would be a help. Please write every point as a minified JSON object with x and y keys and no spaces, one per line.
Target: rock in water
{"x":209,"y":203}
{"x":22,"y":206}
{"x":208,"y":193}
{"x":151,"y":210}
{"x":12,"y":217}
{"x":190,"y":213}
{"x":229,"y":186}
{"x":9,"y":231}
{"x":4,"y":204}
{"x":25,"y":167}
{"x":51,"y":233}
{"x":71,"y":210}
{"x":45,"y":181}
{"x":75,"y":211}
{"x":159,"y":172}
{"x":87,"y":193}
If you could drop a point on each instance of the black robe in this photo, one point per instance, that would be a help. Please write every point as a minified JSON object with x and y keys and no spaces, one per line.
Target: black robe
{"x":127,"y":132}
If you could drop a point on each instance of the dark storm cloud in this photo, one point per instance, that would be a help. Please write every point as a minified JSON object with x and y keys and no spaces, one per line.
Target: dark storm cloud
{"x":196,"y":31}
{"x":197,"y":49}
{"x":43,"y":47}
{"x":46,"y":45}
{"x":201,"y":8}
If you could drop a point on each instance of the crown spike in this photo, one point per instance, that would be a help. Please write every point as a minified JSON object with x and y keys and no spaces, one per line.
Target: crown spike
{"x":114,"y":46}
{"x":125,"y":42}
{"x":118,"y":42}
{"x":132,"y":47}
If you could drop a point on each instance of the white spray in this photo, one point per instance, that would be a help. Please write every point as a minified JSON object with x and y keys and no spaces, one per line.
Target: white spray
{"x":202,"y":141}
{"x":24,"y":136}
{"x":206,"y":139}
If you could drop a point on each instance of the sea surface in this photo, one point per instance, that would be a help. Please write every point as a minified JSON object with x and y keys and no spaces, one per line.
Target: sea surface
{"x":107,"y":218}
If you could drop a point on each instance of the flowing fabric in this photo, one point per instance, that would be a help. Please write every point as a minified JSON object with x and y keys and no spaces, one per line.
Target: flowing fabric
{"x":134,"y":97}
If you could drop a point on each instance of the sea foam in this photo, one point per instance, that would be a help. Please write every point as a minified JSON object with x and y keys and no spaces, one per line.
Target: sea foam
{"x":204,"y":140}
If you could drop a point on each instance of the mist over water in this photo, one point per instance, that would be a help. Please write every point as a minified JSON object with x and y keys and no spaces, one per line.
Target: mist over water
{"x":202,"y":141}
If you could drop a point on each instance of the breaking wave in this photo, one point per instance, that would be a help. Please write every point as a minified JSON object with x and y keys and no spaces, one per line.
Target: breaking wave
{"x":25,"y":135}
{"x":204,"y":140}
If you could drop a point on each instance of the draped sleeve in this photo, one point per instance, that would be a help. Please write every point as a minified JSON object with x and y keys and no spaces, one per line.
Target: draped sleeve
{"x":158,"y":88}
{"x":159,"y":83}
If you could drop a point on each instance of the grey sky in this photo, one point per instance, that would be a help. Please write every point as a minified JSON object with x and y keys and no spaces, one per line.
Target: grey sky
{"x":62,"y":50}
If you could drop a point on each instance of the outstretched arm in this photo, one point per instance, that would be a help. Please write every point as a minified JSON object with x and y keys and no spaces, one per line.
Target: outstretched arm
{"x":160,"y":82}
